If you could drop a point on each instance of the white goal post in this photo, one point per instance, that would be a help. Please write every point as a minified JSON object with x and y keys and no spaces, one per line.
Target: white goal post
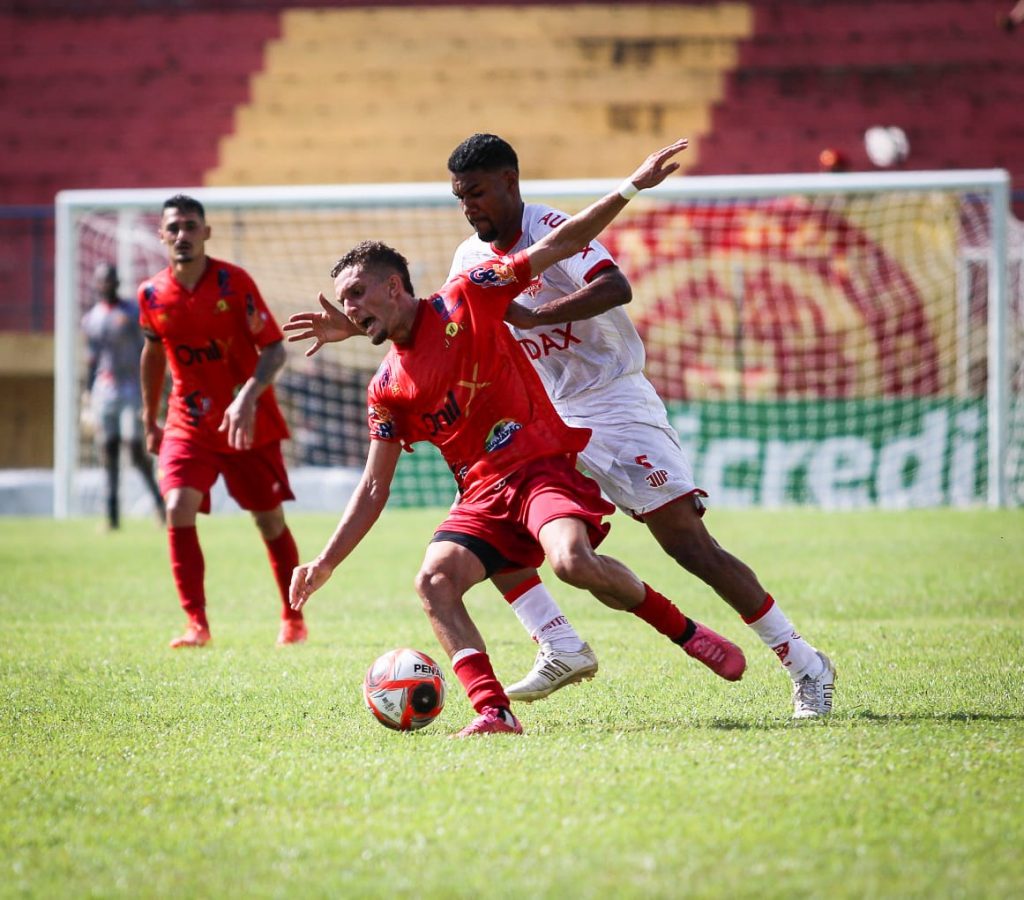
{"x":844,"y":341}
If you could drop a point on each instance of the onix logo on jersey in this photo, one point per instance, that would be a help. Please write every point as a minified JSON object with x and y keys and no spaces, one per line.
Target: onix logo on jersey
{"x":500,"y":435}
{"x":445,"y":417}
{"x":188,"y":355}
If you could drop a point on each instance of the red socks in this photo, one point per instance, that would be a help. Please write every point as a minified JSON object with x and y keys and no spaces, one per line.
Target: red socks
{"x":284,"y":557}
{"x":188,"y":569}
{"x":480,"y":683}
{"x":661,"y":614}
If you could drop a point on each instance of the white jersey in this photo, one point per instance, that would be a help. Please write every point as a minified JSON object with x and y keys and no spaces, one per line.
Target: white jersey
{"x":588,"y":366}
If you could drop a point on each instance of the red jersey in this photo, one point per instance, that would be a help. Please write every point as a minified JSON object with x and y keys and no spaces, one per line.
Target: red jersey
{"x":463,"y":383}
{"x":212,"y":336}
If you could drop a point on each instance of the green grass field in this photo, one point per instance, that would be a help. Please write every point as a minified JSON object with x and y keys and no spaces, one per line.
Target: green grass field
{"x":243,"y":770}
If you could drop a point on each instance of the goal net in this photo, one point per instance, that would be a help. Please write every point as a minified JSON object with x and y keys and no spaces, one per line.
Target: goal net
{"x":841,"y":341}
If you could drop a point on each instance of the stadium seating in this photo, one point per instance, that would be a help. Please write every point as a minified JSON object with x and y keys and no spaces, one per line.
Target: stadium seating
{"x":816,"y":75}
{"x":105,"y":101}
{"x":356,"y":95}
{"x":119,"y":94}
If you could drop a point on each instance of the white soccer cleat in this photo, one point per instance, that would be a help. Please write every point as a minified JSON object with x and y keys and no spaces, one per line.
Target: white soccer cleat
{"x":552,"y":670}
{"x":812,"y":697}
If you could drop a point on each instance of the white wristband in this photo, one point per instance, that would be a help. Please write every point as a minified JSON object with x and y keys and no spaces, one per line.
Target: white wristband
{"x":628,"y":190}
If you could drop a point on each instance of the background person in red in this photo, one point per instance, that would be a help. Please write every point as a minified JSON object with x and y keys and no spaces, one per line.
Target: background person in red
{"x":456,"y":377}
{"x":206,"y":319}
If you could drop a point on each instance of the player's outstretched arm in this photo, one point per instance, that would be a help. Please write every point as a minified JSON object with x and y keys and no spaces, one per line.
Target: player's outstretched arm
{"x":609,"y":289}
{"x":361,"y":513}
{"x":325,"y":327}
{"x":578,"y":231}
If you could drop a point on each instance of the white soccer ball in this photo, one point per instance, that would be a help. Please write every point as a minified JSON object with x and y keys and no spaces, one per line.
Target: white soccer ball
{"x":886,"y":145}
{"x":404,"y":689}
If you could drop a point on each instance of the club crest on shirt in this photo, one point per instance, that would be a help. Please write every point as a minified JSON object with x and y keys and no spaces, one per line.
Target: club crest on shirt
{"x":385,"y":380}
{"x":150,"y":297}
{"x":451,"y":330}
{"x":224,"y":282}
{"x":437,"y":302}
{"x":501,"y":434}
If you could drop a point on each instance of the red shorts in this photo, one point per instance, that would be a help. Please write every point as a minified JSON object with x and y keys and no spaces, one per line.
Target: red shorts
{"x":256,"y":478}
{"x":509,"y":515}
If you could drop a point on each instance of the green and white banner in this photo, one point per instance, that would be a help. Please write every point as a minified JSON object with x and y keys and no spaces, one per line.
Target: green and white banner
{"x":840,"y":454}
{"x":843,"y":454}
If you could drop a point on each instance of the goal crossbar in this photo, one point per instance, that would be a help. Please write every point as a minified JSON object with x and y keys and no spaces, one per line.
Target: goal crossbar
{"x":992,"y":186}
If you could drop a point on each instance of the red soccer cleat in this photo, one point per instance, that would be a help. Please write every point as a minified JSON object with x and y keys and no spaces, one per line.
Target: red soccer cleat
{"x":293,"y":631}
{"x":719,"y":654}
{"x":492,"y":721}
{"x":195,"y":635}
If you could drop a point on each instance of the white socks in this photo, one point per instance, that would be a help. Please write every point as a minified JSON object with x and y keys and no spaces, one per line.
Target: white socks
{"x":797,"y":656}
{"x":542,"y":618}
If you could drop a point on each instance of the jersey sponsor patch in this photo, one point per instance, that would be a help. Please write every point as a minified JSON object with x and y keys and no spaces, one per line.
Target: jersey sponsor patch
{"x":382,"y":422}
{"x":494,"y":274}
{"x":501,"y":434}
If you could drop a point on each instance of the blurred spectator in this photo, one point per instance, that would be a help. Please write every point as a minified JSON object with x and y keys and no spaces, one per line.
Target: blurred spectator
{"x":832,"y":160}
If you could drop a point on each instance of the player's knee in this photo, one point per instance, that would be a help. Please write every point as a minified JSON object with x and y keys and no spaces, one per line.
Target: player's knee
{"x":435,"y":589}
{"x":574,"y":565}
{"x":270,"y":524}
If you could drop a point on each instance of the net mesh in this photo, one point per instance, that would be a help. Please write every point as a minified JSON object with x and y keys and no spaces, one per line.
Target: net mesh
{"x":826,"y":349}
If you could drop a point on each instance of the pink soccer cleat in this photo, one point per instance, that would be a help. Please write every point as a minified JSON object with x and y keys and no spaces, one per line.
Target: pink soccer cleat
{"x":719,"y":654}
{"x":195,"y":635}
{"x":492,"y":721}
{"x":293,"y":631}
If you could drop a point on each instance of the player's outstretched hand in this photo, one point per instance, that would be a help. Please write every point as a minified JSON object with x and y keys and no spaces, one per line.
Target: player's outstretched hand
{"x":307,"y":578}
{"x":325,"y":327}
{"x":656,"y":168}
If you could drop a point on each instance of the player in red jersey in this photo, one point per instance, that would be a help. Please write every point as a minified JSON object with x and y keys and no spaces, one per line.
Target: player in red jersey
{"x":455,"y":377}
{"x":206,"y":319}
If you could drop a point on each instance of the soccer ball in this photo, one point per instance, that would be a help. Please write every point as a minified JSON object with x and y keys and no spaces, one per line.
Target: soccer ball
{"x":404,"y":689}
{"x":886,"y":146}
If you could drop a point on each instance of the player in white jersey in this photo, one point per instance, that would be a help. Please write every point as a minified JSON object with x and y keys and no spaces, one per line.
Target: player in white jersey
{"x":572,"y":324}
{"x":113,"y":399}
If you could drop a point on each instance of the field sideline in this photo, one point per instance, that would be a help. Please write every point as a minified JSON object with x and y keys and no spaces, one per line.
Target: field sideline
{"x":243,"y":770}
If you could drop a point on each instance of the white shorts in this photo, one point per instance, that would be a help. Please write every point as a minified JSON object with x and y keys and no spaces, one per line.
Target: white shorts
{"x":640,"y":466}
{"x":117,"y":418}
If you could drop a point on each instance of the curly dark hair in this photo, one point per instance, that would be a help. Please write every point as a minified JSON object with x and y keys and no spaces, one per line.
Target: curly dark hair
{"x":379,"y":257}
{"x":486,"y":152}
